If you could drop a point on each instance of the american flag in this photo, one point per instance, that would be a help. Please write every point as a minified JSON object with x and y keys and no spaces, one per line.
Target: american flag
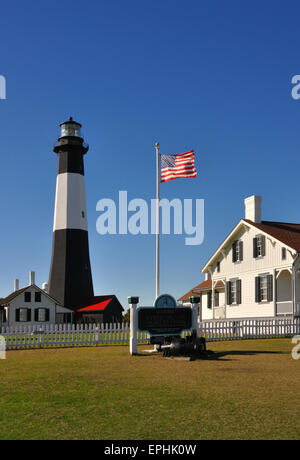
{"x":176,"y":166}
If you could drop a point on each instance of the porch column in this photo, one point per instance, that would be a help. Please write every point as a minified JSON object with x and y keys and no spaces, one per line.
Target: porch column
{"x":213,"y":297}
{"x":225,"y":297}
{"x":274,"y":292}
{"x":195,"y":302}
{"x":294,"y":275}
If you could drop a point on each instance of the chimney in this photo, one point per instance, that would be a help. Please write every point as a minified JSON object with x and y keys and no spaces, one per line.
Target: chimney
{"x":16,"y":285}
{"x":253,"y":208}
{"x":31,"y":278}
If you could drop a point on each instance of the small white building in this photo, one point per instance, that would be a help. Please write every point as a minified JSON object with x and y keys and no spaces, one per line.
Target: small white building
{"x":32,"y":305}
{"x":255,"y":272}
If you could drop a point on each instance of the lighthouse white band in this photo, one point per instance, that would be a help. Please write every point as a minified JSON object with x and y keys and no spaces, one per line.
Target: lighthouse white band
{"x":70,"y":202}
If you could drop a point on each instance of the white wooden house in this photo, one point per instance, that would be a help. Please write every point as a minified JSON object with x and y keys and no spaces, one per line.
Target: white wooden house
{"x":32,"y":305}
{"x":255,"y":272}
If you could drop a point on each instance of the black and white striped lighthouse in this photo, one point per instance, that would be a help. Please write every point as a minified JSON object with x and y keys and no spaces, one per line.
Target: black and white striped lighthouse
{"x":70,"y":280}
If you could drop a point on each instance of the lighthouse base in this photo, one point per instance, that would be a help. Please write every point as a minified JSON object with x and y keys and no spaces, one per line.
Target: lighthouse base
{"x":70,"y":281}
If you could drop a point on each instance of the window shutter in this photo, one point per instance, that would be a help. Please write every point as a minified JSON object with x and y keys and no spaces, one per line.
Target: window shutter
{"x":263,"y":245}
{"x":28,"y":314}
{"x":270,"y":288}
{"x":47,"y":314}
{"x":209,"y":294}
{"x":234,"y":252}
{"x":254,"y":248}
{"x":241,"y":250}
{"x":17,"y":315}
{"x":228,"y":293}
{"x":257,"y":289}
{"x":239,"y":291}
{"x":36,"y":314}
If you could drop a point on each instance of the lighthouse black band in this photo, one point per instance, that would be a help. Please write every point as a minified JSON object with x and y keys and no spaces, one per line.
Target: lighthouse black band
{"x":70,"y":280}
{"x":71,"y":162}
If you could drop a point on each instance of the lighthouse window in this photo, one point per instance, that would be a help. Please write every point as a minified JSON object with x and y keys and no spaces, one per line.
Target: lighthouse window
{"x":83,"y":214}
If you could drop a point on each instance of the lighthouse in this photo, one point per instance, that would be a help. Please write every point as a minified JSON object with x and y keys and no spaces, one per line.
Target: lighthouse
{"x":70,"y":280}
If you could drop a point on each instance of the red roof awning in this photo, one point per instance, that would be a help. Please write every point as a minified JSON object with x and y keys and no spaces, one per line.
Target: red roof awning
{"x":97,"y":306}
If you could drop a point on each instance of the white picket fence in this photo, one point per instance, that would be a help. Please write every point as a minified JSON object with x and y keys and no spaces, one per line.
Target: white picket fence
{"x":70,"y":335}
{"x":256,"y":328}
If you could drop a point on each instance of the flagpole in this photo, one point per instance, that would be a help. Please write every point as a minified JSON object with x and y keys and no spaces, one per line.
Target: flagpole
{"x":157,"y":219}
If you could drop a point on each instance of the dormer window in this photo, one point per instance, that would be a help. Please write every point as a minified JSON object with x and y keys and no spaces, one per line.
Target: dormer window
{"x":237,"y":251}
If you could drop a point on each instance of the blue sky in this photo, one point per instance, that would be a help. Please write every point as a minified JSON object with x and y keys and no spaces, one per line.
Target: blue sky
{"x":213,"y":76}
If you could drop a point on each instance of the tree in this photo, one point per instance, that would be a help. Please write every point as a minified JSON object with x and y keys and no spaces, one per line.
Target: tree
{"x":126,"y":317}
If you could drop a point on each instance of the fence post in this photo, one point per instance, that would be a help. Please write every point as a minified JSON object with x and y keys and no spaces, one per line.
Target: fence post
{"x":133,"y":301}
{"x":2,"y":347}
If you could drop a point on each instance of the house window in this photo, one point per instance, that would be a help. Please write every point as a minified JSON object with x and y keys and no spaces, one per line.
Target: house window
{"x":41,"y":315}
{"x":234,"y":292}
{"x":209,"y":299}
{"x":38,"y":297}
{"x":27,"y":297}
{"x":218,"y":267}
{"x":264,"y":288}
{"x":237,"y":251}
{"x":23,"y":315}
{"x":259,"y":246}
{"x":283,"y":253}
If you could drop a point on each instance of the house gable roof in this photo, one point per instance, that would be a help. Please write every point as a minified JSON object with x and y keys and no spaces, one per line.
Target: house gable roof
{"x":285,"y":233}
{"x":15,"y":294}
{"x":204,"y":286}
{"x":98,"y":303}
{"x":97,"y":306}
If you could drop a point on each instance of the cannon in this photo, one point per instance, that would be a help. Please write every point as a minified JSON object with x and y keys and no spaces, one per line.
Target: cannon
{"x":191,"y":346}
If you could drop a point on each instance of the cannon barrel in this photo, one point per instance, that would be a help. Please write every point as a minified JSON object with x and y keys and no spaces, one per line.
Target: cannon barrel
{"x":191,"y":346}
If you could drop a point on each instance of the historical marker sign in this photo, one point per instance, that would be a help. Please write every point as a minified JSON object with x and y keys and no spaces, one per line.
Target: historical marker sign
{"x":164,"y":321}
{"x":165,"y":301}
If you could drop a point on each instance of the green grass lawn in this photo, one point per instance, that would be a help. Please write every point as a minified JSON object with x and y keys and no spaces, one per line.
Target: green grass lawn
{"x":251,"y":391}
